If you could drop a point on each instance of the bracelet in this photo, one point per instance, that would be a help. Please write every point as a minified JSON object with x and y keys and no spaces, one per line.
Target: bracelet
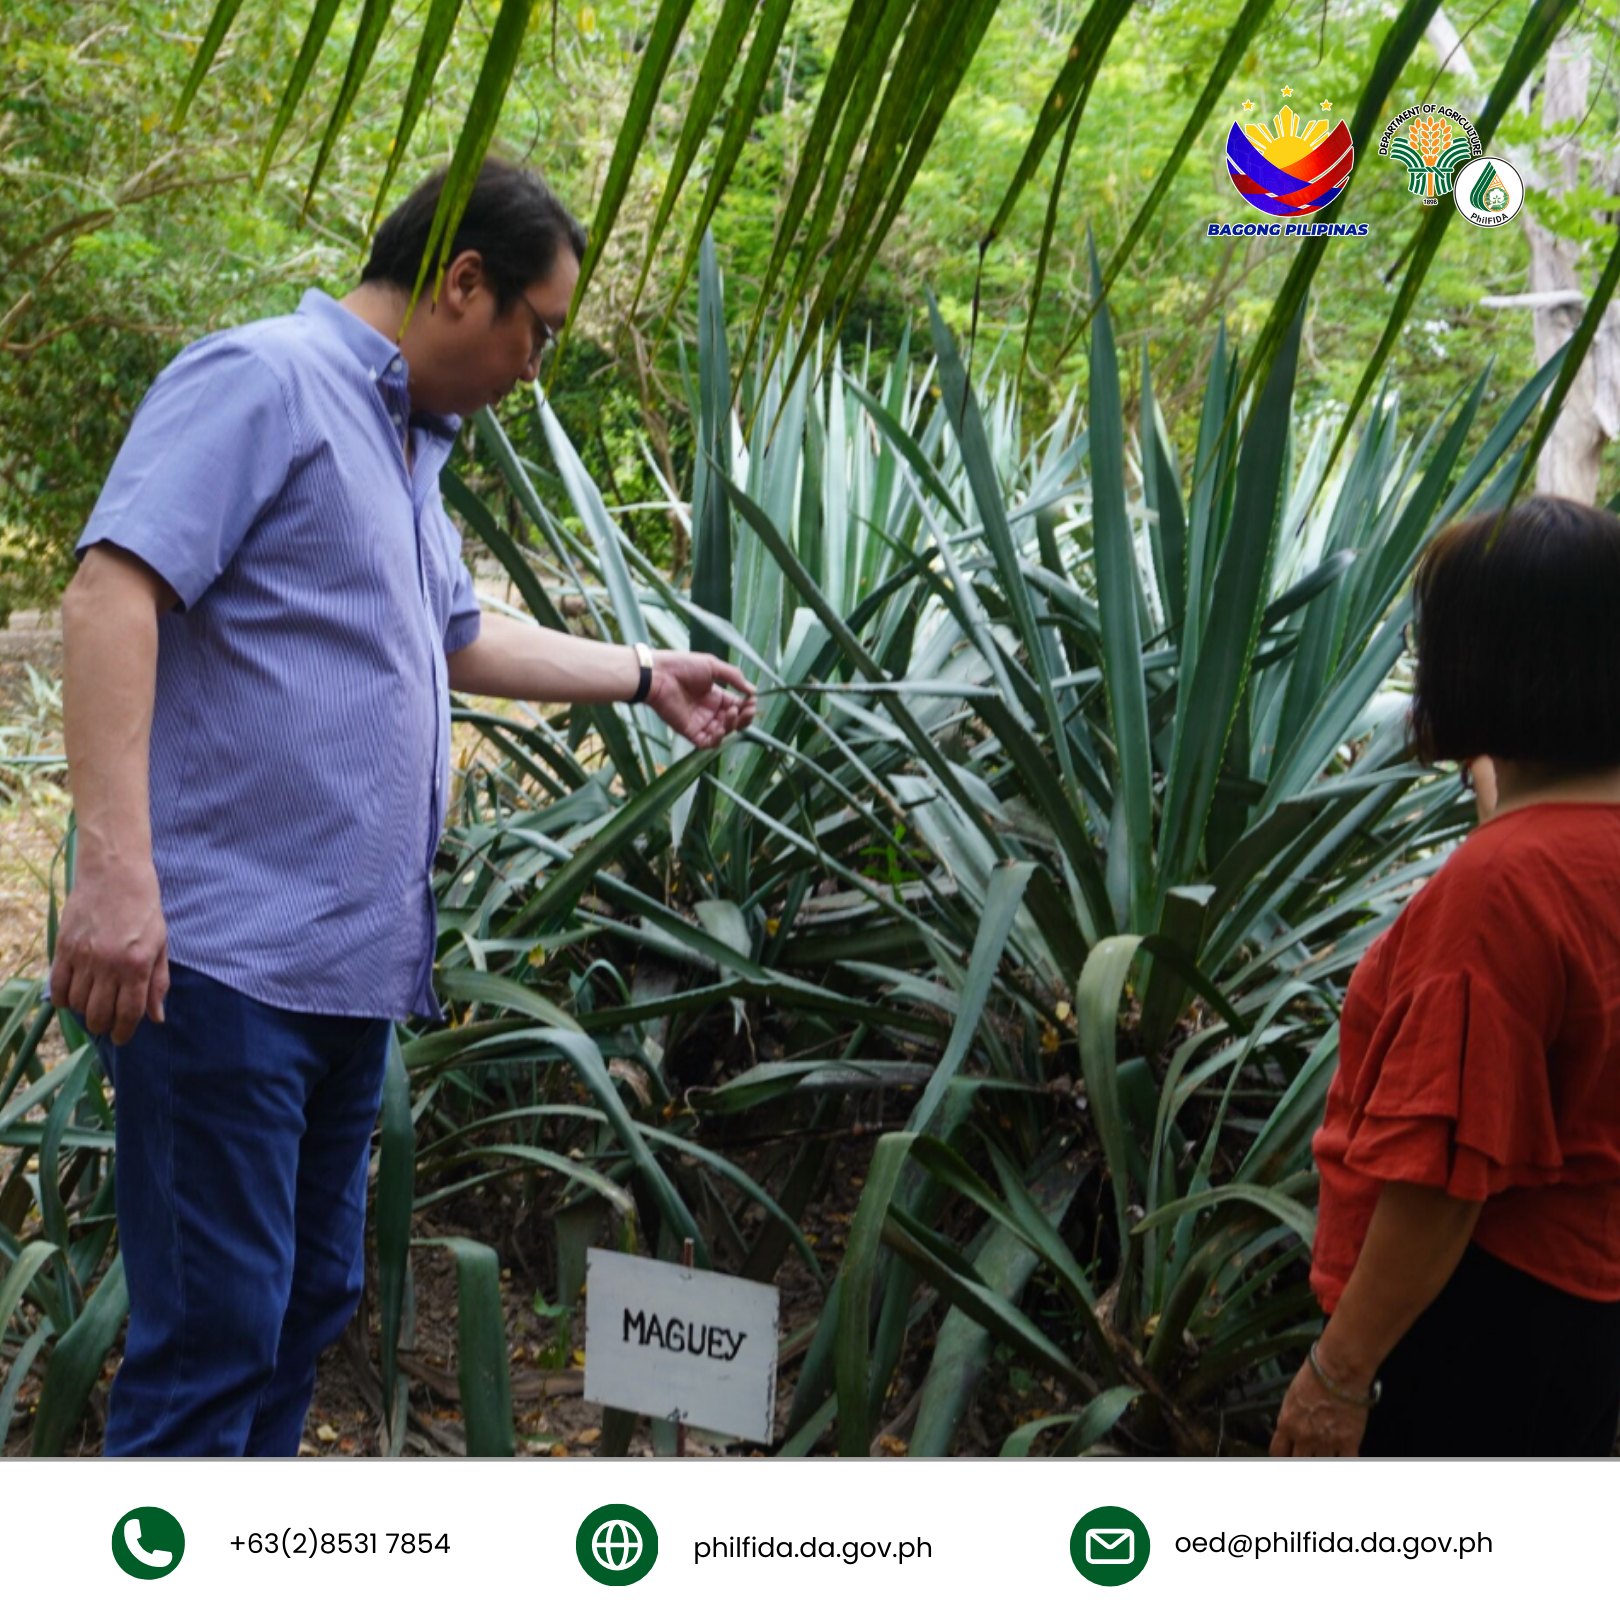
{"x":644,"y":685}
{"x":1337,"y":1390}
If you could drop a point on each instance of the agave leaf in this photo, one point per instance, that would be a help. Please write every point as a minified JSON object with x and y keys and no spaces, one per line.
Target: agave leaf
{"x":368,"y":35}
{"x":1072,"y":82}
{"x":21,"y":1273}
{"x":481,"y":1349}
{"x":1097,"y":998}
{"x":1238,"y":44}
{"x":1207,"y":703}
{"x":586,"y":1060}
{"x":320,"y":25}
{"x":77,"y":1361}
{"x":1403,"y":37}
{"x":1288,"y":1211}
{"x":875,"y":205}
{"x":396,"y":1176}
{"x":219,"y":24}
{"x":1083,"y":1429}
{"x":1114,"y":559}
{"x":479,"y":988}
{"x":959,"y":1282}
{"x":1108,"y":17}
{"x":756,"y":71}
{"x":1541,"y":26}
{"x":857,"y":1400}
{"x":477,"y":130}
{"x":431,"y":49}
{"x":719,"y":59}
{"x":856,"y":45}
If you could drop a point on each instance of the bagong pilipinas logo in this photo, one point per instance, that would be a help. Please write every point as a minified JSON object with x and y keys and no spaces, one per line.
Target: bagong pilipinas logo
{"x":1433,"y":141}
{"x":1292,"y":168}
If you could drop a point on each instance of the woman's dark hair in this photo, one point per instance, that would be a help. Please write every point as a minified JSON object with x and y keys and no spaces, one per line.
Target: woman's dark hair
{"x":1518,"y":638}
{"x":513,"y":220}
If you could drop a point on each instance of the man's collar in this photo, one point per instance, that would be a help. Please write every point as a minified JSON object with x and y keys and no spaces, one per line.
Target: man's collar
{"x":374,"y":351}
{"x":361,"y":339}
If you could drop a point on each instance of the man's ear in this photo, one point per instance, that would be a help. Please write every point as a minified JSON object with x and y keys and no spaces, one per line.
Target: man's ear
{"x":463,"y":280}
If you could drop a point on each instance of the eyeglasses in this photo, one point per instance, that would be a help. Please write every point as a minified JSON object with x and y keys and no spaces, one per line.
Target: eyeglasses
{"x":547,"y":336}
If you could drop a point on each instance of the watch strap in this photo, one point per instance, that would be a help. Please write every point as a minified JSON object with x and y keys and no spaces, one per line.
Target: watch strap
{"x":644,"y":685}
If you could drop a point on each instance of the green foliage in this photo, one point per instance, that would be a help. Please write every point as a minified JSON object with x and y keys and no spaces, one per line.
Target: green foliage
{"x":1279,"y":826}
{"x":169,"y":239}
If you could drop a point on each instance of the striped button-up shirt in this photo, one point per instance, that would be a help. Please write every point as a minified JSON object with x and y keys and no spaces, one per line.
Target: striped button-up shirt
{"x":301,"y":726}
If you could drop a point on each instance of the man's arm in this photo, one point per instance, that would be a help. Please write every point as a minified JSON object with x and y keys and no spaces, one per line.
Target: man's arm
{"x":510,"y":659}
{"x":111,"y":965}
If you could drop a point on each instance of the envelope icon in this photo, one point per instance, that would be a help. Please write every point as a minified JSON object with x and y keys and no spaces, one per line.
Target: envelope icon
{"x":1110,"y":1546}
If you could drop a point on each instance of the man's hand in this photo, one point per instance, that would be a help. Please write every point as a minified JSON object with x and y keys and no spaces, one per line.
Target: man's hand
{"x":112,"y":953}
{"x":687,"y":693}
{"x":1313,"y":1423}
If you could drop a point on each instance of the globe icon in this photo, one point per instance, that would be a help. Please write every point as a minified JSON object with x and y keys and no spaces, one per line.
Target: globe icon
{"x":616,"y":1544}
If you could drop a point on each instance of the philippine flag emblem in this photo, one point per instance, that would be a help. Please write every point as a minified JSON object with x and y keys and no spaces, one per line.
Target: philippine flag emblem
{"x":1291,"y":168}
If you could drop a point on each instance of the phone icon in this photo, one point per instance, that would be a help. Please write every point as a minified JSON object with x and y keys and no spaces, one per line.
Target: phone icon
{"x":161,"y":1559}
{"x":148,"y":1543}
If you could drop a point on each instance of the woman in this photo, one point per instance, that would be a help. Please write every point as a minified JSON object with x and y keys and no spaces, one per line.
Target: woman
{"x":1468,"y":1245}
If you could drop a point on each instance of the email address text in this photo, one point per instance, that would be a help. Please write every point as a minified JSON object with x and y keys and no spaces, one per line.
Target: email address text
{"x":1257,"y":1544}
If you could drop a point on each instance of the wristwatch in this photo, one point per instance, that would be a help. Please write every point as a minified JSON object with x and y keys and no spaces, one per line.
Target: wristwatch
{"x":644,"y":685}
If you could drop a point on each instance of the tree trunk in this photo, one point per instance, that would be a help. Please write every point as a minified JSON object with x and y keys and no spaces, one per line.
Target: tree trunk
{"x":1591,"y":412}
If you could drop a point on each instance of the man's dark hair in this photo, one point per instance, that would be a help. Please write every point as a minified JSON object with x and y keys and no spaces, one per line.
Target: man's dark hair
{"x":1518,"y":652}
{"x":513,"y":220}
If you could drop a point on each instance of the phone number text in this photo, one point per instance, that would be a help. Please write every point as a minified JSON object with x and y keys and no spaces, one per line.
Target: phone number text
{"x":292,"y":1542}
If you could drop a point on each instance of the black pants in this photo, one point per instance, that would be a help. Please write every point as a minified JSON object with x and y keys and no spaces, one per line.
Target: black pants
{"x":1501,"y":1365}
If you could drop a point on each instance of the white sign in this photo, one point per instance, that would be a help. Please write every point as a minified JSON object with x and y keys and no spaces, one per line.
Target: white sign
{"x":691,"y":1346}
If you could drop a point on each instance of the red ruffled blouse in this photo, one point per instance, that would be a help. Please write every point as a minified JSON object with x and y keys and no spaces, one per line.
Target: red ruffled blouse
{"x":1479,"y":1051}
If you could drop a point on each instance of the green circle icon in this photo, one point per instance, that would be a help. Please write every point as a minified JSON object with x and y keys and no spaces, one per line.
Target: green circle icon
{"x":617,"y":1544}
{"x":1109,"y":1546}
{"x":148,"y":1543}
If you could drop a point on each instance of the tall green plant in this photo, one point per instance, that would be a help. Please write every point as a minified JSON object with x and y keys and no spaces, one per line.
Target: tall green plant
{"x":1122,"y":741}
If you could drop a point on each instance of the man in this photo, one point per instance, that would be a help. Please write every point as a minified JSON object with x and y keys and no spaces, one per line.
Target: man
{"x":260,"y":641}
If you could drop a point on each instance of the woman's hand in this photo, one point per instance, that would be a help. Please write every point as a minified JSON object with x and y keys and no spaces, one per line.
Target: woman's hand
{"x":1313,"y":1423}
{"x":1415,"y":1239}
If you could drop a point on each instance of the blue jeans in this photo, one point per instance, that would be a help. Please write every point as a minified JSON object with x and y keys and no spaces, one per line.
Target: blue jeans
{"x":243,"y":1137}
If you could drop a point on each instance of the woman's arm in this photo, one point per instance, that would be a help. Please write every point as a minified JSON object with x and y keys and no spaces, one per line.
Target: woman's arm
{"x":1416,"y":1237}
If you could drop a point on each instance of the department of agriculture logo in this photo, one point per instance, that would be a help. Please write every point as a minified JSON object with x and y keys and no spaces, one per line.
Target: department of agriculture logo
{"x":148,"y":1543}
{"x":616,"y":1544}
{"x":1292,"y":166}
{"x":1109,"y":1546}
{"x":1488,"y":191}
{"x":1433,"y":141}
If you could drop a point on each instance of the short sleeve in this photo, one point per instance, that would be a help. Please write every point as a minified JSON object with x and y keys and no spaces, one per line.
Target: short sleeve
{"x":209,"y":449}
{"x":1453,"y":1092}
{"x":466,"y":618}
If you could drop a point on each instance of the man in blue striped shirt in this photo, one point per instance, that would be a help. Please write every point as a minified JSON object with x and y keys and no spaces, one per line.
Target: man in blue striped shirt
{"x":260,"y":642}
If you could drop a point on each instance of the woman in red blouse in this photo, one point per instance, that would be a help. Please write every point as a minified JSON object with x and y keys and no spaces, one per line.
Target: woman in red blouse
{"x":1468,"y":1242}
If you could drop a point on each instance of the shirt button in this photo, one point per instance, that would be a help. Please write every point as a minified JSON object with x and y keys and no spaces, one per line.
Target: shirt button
{"x":395,"y":364}
{"x":399,"y":421}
